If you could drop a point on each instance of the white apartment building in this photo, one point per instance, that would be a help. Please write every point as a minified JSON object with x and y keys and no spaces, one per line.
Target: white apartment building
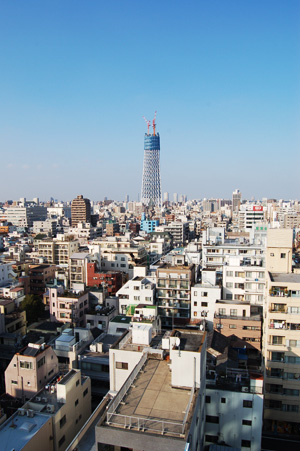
{"x":7,"y":275}
{"x":203,"y":299}
{"x":154,"y":397}
{"x":216,"y":256}
{"x":244,"y":280}
{"x":250,"y":214}
{"x":138,"y":290}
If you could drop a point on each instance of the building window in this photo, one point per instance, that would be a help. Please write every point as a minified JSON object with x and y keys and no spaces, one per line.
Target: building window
{"x":277,"y":340}
{"x":207,"y":399}
{"x":62,"y":421}
{"x":195,"y":313}
{"x":246,"y":443}
{"x":14,"y":382}
{"x":122,"y":365}
{"x":136,"y":298}
{"x":232,"y":326}
{"x":229,"y":273}
{"x":61,"y":441}
{"x":212,"y":419}
{"x":204,"y":294}
{"x":272,"y":254}
{"x":195,"y":304}
{"x":282,"y":255}
{"x":76,"y":402}
{"x":26,"y":365}
{"x":204,"y":304}
{"x":85,"y":392}
{"x":233,"y":312}
{"x":77,"y":383}
{"x":229,"y":284}
{"x":247,"y":423}
{"x":211,"y":438}
{"x":222,"y":311}
{"x":195,"y":293}
{"x":247,"y":404}
{"x":223,"y":400}
{"x":41,"y":362}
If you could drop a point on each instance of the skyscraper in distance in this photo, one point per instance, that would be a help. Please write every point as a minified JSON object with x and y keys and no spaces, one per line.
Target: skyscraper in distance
{"x":151,"y":190}
{"x":236,"y":200}
{"x":80,"y":210}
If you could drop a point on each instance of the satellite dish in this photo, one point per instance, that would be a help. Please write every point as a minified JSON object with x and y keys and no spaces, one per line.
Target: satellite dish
{"x":177,"y":341}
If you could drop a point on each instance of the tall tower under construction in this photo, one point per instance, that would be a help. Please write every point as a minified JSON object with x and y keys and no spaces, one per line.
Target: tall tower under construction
{"x":151,"y":191}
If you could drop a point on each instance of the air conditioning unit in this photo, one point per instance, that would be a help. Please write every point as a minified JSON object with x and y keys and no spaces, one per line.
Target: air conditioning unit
{"x":50,"y":408}
{"x":21,"y":412}
{"x":30,"y":413}
{"x":45,"y":399}
{"x":38,"y":399}
{"x":245,"y":389}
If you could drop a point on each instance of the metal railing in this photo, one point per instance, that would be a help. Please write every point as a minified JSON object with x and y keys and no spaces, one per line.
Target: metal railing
{"x":148,"y":424}
{"x":124,"y":389}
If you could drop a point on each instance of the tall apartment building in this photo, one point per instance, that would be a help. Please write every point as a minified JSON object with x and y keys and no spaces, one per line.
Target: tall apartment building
{"x":57,"y":251}
{"x":236,"y":200}
{"x":80,"y":210}
{"x":174,"y":293}
{"x":282,"y":336}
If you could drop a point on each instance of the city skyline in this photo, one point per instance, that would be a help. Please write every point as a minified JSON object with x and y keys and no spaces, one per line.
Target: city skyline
{"x":77,"y":81}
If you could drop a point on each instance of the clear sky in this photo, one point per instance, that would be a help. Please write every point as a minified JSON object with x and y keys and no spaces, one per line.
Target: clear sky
{"x":76,"y":77}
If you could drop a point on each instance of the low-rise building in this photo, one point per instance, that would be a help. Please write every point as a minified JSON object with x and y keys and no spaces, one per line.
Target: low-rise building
{"x":30,"y":369}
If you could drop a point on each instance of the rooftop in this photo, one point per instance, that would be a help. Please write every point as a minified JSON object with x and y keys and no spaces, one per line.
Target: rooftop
{"x":190,"y":340}
{"x":18,"y":430}
{"x":152,"y":404}
{"x":285,"y":278}
{"x":121,"y":319}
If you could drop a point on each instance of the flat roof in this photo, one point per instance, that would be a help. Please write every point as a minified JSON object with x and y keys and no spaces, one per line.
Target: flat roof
{"x":121,"y":319}
{"x":285,"y":278}
{"x":190,"y":340}
{"x":18,"y":430}
{"x":152,"y":397}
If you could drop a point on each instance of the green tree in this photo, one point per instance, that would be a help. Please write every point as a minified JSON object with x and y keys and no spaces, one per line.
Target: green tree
{"x":34,"y":307}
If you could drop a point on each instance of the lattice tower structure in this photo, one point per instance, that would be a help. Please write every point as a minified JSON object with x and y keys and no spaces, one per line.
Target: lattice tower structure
{"x":151,"y":189}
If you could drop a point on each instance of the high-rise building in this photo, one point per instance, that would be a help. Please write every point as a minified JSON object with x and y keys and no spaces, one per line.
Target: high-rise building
{"x":151,"y":191}
{"x":175,"y":198}
{"x":166,"y":197}
{"x":236,"y":200}
{"x":80,"y":210}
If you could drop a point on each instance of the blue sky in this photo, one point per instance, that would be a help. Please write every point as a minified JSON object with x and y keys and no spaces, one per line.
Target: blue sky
{"x":76,"y":77}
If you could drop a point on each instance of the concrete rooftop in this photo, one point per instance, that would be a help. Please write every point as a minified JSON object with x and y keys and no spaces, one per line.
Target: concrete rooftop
{"x":153,"y":400}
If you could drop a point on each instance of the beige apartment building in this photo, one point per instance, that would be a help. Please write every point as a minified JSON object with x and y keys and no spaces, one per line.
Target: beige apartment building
{"x":51,"y":419}
{"x":30,"y":369}
{"x":56,"y":251}
{"x":174,"y":293}
{"x":282,"y":336}
{"x":68,"y":307}
{"x":241,"y":319}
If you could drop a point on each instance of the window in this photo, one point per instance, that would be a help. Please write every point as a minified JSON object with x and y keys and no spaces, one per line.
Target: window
{"x":232,"y":326}
{"x":247,"y":423}
{"x":290,"y":408}
{"x":229,"y":273}
{"x":233,"y":312}
{"x":195,"y":293}
{"x":271,"y":254}
{"x":26,"y":365}
{"x":195,"y":313}
{"x":207,"y":399}
{"x":278,"y":340}
{"x":229,"y":284}
{"x":136,"y":287}
{"x":246,"y":443}
{"x":61,"y":441}
{"x":85,"y":392}
{"x":77,"y":382}
{"x":204,"y":304}
{"x":122,"y":365}
{"x":122,"y":265}
{"x":247,"y":404}
{"x":222,"y":311}
{"x":223,"y":400}
{"x":76,"y":402}
{"x":14,"y":382}
{"x":62,"y":421}
{"x":41,"y":362}
{"x":195,"y":304}
{"x":136,"y":298}
{"x":282,"y":255}
{"x":204,"y":294}
{"x":211,"y":438}
{"x":212,"y":419}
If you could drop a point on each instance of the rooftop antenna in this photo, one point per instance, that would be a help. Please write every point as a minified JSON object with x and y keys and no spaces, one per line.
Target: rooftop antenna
{"x":148,"y":124}
{"x":153,"y":123}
